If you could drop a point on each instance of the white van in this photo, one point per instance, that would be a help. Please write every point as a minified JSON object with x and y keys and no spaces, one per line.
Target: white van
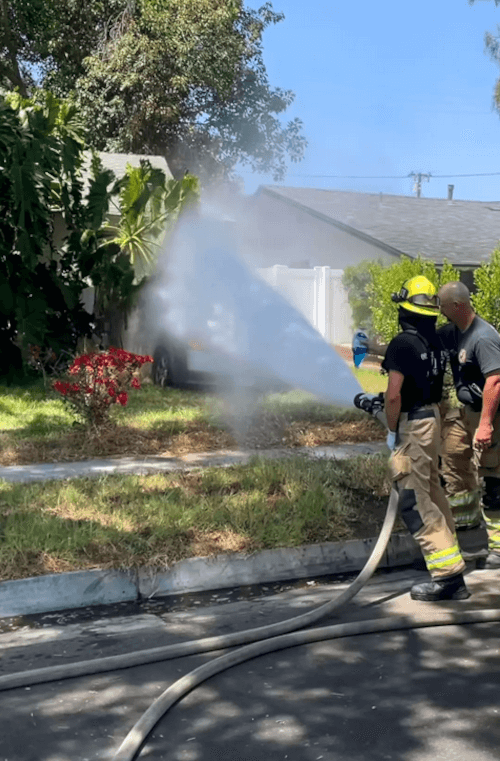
{"x":188,"y":362}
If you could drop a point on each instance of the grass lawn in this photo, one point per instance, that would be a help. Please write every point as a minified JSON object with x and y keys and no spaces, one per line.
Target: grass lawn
{"x":127,"y":521}
{"x":35,"y":426}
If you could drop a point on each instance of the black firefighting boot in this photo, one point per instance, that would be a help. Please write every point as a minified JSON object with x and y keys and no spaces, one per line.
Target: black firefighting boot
{"x":492,"y":560}
{"x":450,"y":588}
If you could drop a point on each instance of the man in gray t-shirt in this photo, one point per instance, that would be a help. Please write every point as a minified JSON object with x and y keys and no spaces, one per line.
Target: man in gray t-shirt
{"x":476,"y":372}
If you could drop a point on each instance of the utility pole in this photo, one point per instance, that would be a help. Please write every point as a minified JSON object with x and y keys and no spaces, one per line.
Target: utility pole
{"x":418,"y":177}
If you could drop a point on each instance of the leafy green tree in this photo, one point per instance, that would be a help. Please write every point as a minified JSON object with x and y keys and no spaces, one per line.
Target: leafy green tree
{"x":486,"y":301}
{"x":182,"y":78}
{"x":149,"y":205}
{"x":55,"y":240}
{"x":41,"y":145}
{"x":388,"y":280}
{"x":52,"y":37}
{"x":356,"y":280}
{"x":51,"y":230}
{"x":492,"y":47}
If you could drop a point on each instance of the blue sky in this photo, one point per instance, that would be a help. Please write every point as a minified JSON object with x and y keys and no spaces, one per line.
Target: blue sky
{"x":387,"y":88}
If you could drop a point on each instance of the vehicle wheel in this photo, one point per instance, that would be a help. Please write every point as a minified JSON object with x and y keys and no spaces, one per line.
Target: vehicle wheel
{"x":161,"y":367}
{"x":178,"y":372}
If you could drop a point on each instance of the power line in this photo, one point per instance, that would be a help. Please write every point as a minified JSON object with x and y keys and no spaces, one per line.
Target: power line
{"x":451,"y":176}
{"x":349,"y":177}
{"x":392,"y":177}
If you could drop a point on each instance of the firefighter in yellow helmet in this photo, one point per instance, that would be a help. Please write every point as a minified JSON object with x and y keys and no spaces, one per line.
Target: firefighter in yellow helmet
{"x":416,"y":363}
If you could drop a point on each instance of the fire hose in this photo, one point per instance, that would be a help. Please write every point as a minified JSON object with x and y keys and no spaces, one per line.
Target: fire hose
{"x":258,"y":641}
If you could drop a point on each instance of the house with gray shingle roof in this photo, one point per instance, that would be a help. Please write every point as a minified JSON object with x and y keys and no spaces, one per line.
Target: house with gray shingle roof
{"x":117,"y":162}
{"x":339,"y":228}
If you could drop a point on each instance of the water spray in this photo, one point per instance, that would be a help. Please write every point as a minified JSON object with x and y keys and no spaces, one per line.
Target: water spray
{"x":205,"y":293}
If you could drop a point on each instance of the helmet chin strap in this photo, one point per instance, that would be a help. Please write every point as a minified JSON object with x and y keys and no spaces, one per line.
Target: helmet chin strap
{"x":424,"y":325}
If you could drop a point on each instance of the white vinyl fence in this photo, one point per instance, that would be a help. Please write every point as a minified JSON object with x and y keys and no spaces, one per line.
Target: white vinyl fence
{"x":319,"y":295}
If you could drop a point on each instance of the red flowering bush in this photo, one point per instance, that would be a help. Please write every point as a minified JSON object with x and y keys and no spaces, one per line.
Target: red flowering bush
{"x":98,"y":380}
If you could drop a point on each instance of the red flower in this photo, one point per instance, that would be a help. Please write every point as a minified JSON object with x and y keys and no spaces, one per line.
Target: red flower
{"x":122,"y":398}
{"x":111,"y":391}
{"x":135,"y":383}
{"x":61,"y":387}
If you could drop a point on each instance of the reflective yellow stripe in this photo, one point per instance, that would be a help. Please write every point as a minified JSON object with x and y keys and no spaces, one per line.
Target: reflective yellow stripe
{"x":443,"y":553}
{"x":465,"y":498}
{"x":444,"y":563}
{"x":466,"y":516}
{"x":443,"y":558}
{"x":493,"y":529}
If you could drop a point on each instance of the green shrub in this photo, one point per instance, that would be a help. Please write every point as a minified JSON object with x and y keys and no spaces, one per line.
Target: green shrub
{"x":388,"y":280}
{"x":486,"y":301}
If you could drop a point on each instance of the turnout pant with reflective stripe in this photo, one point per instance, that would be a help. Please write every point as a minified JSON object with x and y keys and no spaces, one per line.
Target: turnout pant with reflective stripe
{"x":487,"y":464}
{"x":458,"y":468}
{"x":422,"y":501}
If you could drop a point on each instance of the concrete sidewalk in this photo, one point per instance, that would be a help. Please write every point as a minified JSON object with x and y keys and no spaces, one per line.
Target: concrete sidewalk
{"x":101,"y":587}
{"x":142,"y":465}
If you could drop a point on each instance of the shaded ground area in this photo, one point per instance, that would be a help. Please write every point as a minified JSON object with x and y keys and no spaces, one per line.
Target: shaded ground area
{"x":416,"y":694}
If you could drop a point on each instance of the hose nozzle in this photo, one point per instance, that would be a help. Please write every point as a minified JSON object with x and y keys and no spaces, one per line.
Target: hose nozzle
{"x":373,"y":404}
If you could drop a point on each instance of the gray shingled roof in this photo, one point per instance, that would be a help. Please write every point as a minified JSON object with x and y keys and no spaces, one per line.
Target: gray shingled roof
{"x":117,"y":162}
{"x":463,"y":232}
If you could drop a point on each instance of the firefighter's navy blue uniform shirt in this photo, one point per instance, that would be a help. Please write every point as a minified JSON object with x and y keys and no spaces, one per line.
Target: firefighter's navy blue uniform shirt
{"x":422,"y":366}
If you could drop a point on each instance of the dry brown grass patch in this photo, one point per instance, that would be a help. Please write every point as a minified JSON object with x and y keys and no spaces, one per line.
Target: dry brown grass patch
{"x":265,"y":431}
{"x":204,"y":544}
{"x":300,"y":434}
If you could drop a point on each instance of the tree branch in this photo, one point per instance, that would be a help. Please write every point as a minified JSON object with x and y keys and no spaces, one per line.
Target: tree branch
{"x":12,"y":73}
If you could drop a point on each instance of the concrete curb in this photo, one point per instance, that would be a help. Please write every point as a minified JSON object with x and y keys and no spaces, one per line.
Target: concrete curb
{"x":78,"y":589}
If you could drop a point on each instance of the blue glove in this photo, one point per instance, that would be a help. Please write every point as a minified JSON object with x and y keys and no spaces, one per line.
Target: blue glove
{"x":391,"y":440}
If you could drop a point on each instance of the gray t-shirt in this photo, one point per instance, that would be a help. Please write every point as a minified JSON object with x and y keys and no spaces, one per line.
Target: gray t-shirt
{"x":478,"y":352}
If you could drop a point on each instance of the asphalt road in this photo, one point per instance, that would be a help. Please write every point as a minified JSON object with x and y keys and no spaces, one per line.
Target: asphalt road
{"x":418,"y":695}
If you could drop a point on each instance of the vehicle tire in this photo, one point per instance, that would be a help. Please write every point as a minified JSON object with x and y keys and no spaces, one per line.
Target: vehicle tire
{"x":161,"y":367}
{"x":178,"y":372}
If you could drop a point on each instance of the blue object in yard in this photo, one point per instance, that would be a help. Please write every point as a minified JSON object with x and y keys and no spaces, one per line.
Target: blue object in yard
{"x":359,"y":347}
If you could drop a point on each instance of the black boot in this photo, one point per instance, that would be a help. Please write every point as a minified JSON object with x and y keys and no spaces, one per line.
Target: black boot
{"x":492,"y":560}
{"x":450,"y":588}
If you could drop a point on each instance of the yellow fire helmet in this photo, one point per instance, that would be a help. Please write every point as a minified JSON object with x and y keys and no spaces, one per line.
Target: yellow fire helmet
{"x":418,"y":295}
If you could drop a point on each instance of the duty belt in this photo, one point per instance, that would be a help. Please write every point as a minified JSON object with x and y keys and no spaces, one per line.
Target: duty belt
{"x":421,"y":413}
